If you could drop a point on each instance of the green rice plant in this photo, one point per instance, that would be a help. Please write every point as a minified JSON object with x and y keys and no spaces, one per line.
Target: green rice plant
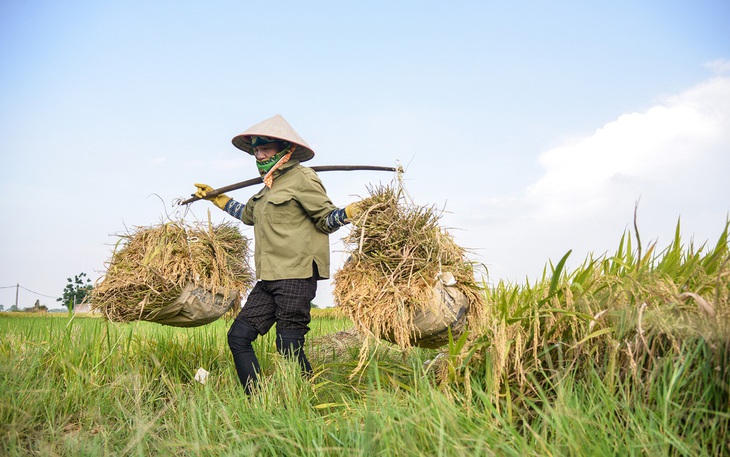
{"x":628,"y":354}
{"x":637,"y":320}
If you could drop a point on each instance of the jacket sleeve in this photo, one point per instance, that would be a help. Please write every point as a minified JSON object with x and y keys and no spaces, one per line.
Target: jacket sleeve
{"x":245,"y":212}
{"x":318,"y":206}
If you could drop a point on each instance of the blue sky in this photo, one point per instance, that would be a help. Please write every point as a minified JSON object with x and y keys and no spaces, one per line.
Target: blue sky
{"x":537,"y":126}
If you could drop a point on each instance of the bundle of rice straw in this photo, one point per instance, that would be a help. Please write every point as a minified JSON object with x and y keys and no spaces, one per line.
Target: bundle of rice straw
{"x":156,"y":272}
{"x":397,"y":253}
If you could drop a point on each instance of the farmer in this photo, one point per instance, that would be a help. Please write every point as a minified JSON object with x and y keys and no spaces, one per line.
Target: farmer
{"x":292,"y":217}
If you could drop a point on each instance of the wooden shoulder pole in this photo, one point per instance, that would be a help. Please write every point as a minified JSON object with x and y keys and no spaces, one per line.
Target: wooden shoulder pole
{"x":254,"y":181}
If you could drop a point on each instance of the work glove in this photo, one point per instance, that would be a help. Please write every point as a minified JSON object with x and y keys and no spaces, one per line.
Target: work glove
{"x":218,"y":200}
{"x":354,"y":210}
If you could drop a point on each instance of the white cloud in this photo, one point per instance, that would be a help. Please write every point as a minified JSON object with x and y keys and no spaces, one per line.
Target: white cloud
{"x":719,"y":66}
{"x":673,"y":158}
{"x":633,"y":153}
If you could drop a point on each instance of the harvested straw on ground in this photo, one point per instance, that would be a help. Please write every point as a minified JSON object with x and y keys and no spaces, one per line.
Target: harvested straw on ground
{"x":156,"y":272}
{"x":335,"y":347}
{"x":398,"y":254}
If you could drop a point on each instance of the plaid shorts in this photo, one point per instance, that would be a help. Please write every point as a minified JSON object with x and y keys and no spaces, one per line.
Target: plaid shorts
{"x":286,"y":302}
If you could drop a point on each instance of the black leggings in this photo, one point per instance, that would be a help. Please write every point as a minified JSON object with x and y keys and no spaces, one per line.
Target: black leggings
{"x":287,"y":303}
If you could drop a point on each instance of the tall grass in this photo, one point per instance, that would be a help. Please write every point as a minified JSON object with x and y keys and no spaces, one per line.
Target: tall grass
{"x":626,"y":355}
{"x":649,"y":329}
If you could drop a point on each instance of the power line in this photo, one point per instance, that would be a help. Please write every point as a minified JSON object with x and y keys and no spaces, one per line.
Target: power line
{"x":27,"y":290}
{"x":37,"y":293}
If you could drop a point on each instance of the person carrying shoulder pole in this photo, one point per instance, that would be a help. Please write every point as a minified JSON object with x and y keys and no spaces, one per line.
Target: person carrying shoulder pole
{"x":292,"y":218}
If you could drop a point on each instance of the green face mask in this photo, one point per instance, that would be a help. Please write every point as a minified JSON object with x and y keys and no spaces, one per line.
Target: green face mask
{"x":267,"y":164}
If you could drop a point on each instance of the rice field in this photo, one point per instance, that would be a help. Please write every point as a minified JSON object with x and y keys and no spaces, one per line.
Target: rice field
{"x":628,"y":354}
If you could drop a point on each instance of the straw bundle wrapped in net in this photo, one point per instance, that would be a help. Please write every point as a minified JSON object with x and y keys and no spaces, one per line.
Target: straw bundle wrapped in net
{"x":175,"y":273}
{"x":405,"y":277}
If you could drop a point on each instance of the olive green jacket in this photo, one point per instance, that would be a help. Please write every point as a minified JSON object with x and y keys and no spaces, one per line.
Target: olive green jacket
{"x":289,"y":225}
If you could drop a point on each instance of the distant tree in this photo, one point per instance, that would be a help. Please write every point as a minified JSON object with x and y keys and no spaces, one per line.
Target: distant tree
{"x":76,"y":290}
{"x":2,"y":307}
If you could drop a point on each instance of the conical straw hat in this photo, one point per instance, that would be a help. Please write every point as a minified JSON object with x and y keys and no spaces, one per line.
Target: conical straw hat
{"x":275,"y":127}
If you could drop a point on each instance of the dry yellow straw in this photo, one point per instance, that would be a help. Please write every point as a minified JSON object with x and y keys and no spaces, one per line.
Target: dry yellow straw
{"x":152,"y":265}
{"x":397,"y":250}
